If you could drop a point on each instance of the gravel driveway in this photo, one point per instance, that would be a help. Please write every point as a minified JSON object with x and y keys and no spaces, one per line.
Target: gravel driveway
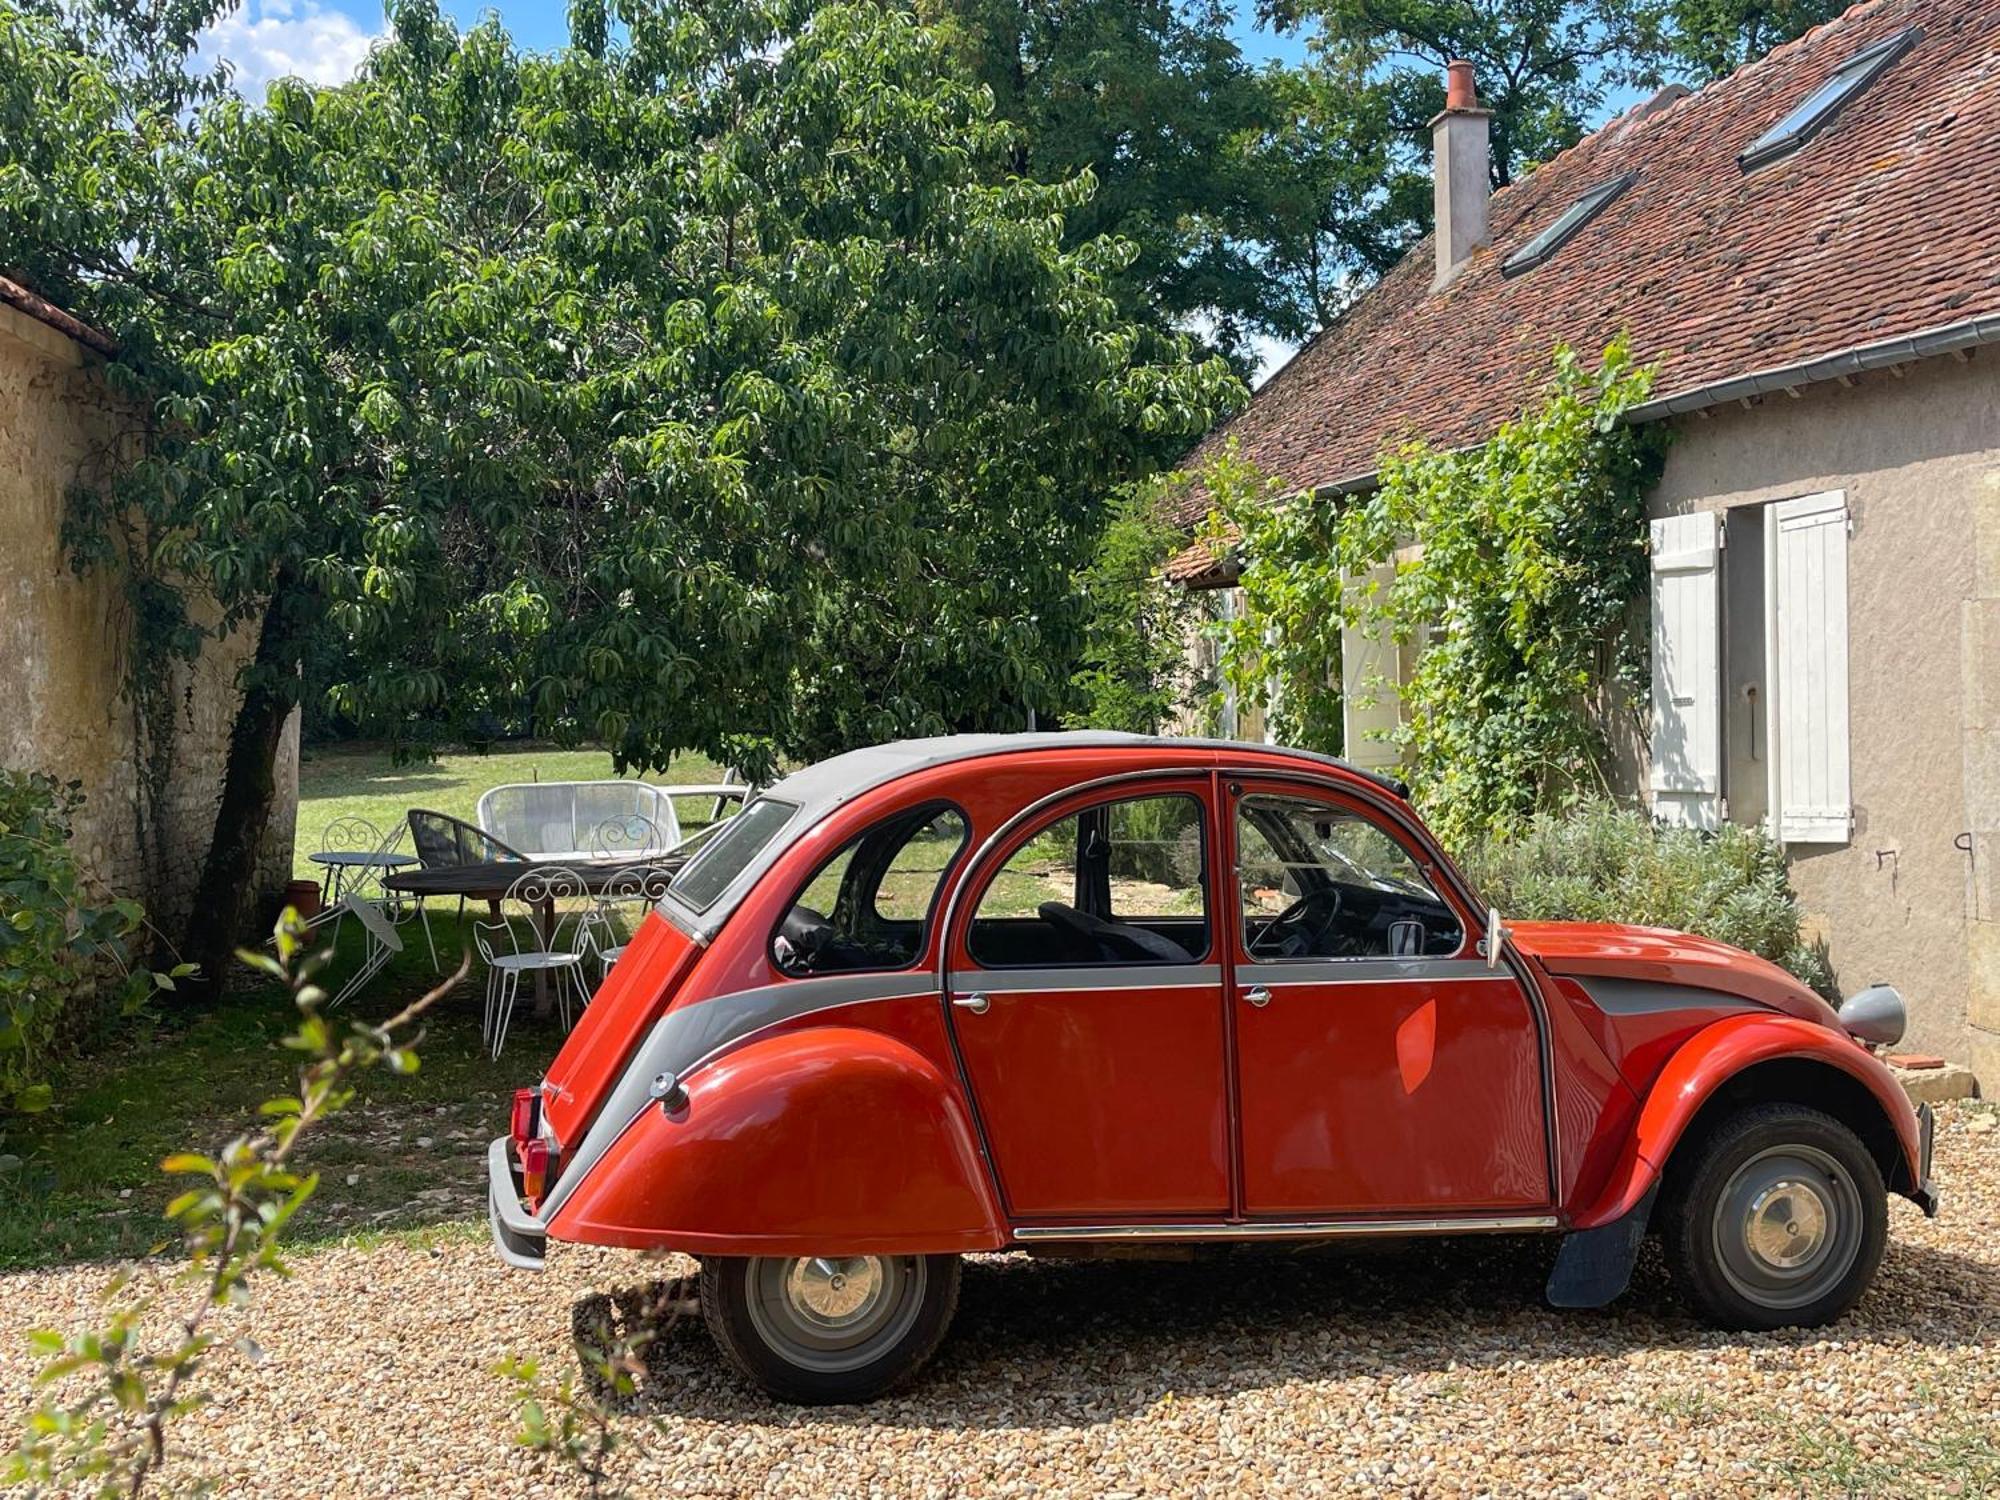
{"x":1433,"y":1371}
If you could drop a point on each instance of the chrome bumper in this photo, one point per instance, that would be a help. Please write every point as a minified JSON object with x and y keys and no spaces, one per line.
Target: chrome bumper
{"x":517,"y":1234}
{"x":1926,"y":1195}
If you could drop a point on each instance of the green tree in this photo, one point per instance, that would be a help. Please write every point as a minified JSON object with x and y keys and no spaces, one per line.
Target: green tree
{"x":1136,"y":674}
{"x":1155,"y":101}
{"x":702,"y":389}
{"x":1544,"y":67}
{"x":1702,"y":40}
{"x":1347,"y":192}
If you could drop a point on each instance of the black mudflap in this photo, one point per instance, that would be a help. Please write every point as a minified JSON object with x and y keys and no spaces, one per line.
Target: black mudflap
{"x":1594,"y":1266}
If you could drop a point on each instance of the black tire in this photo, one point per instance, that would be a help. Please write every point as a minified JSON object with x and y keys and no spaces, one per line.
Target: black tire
{"x":804,"y":1329}
{"x":1776,"y":1218}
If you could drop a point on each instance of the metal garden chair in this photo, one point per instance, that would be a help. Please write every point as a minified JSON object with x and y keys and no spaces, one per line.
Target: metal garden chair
{"x":631,"y":836}
{"x":554,"y":943}
{"x":604,"y":932}
{"x":443,"y":843}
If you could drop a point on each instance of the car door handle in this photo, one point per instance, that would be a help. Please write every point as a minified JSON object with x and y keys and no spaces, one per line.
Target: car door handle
{"x":1258,"y":996}
{"x":977,"y":1004}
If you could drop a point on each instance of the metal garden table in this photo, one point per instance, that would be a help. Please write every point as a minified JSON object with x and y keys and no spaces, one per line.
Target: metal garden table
{"x":491,"y":881}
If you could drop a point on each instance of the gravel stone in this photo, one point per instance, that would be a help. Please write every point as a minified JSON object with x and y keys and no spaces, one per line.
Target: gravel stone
{"x":1432,"y":1370}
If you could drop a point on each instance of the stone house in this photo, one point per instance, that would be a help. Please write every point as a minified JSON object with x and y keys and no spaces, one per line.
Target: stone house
{"x":66,"y":641}
{"x":1808,"y":252}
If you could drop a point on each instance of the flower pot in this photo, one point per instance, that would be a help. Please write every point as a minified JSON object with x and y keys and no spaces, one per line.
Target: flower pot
{"x":302,"y":896}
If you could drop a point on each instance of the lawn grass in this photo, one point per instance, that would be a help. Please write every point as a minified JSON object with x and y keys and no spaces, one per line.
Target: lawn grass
{"x":83,"y":1180}
{"x":364,"y":781}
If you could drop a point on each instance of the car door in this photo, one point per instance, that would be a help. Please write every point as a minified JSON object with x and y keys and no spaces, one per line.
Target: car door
{"x":1383,"y":1067}
{"x":1087,"y":1008}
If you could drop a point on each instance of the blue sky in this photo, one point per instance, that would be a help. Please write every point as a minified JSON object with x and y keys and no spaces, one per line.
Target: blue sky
{"x":323,"y":40}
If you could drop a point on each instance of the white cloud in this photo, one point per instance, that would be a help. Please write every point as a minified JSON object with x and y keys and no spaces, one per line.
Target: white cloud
{"x":267,"y":39}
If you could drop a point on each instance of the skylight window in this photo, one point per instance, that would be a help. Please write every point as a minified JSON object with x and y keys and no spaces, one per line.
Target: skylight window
{"x":1816,"y":111}
{"x":1558,"y":234}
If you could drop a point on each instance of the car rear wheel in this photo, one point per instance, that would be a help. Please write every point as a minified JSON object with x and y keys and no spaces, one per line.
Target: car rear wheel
{"x":1777,"y":1219}
{"x":827,"y":1329}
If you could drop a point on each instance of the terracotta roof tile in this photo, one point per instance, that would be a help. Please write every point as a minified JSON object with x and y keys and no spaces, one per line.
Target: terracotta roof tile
{"x":44,"y":311}
{"x":1881,"y":225}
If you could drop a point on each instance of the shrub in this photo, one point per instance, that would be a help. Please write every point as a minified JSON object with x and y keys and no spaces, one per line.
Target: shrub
{"x":1603,"y":862}
{"x":58,"y":949}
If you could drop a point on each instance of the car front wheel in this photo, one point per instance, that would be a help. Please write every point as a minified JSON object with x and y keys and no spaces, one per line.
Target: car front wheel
{"x":1777,"y":1219}
{"x":828,"y":1329}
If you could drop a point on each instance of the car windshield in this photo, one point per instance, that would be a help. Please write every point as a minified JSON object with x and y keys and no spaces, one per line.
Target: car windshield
{"x":732,"y":851}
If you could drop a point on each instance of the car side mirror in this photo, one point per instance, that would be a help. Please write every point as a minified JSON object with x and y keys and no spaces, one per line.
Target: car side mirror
{"x":1496,"y":937}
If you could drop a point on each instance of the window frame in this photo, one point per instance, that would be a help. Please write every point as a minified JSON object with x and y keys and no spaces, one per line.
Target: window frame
{"x":1442,"y":885}
{"x":1195,"y":787}
{"x":935,"y":807}
{"x":1862,"y":69}
{"x":1587,"y":205}
{"x":676,"y":891}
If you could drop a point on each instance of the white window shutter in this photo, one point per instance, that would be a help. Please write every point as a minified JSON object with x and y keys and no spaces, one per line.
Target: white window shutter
{"x":1370,"y":706}
{"x":1687,"y":670}
{"x":1814,"y":798}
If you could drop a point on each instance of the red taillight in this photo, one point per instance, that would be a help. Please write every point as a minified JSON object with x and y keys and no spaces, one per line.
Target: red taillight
{"x":534,"y":1168}
{"x":526,"y":1120}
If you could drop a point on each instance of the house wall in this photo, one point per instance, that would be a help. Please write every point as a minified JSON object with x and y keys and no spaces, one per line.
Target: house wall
{"x":1919,"y":460}
{"x":65,"y":642}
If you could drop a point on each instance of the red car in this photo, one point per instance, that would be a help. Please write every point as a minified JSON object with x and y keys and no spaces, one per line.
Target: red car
{"x":1081,"y":993}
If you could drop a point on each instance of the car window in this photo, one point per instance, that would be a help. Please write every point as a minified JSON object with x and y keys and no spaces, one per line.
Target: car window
{"x":1321,"y":881}
{"x":729,"y":853}
{"x":1122,"y":882}
{"x":870,"y":905}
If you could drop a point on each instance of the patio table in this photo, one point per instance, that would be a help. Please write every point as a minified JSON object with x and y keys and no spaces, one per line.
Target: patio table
{"x":339,"y":862}
{"x":491,"y":881}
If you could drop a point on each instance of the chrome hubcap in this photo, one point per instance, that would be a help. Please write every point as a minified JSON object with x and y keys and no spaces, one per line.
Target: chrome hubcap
{"x":833,"y":1291}
{"x":834,"y":1312}
{"x":1786,"y":1224}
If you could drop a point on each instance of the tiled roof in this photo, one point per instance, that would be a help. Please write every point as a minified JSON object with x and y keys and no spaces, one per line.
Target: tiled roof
{"x":44,"y":311}
{"x":1885,"y":223}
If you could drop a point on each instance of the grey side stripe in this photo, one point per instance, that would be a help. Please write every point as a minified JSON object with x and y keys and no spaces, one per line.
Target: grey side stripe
{"x":1097,"y":977}
{"x":1639,"y":997}
{"x":684,"y":1037}
{"x":1281,"y":972}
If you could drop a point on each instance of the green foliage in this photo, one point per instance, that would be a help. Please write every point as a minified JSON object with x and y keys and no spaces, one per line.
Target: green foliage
{"x":1707,"y":39}
{"x":707,"y":389}
{"x":1154,"y":100}
{"x":1603,"y":862}
{"x":1513,"y":566}
{"x":59,"y":947}
{"x":112,"y":1392}
{"x":1135,"y":674}
{"x":1543,"y":67}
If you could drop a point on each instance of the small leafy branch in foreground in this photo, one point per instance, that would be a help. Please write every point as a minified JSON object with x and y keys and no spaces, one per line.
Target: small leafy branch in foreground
{"x":122,"y":1384}
{"x":570,"y":1417}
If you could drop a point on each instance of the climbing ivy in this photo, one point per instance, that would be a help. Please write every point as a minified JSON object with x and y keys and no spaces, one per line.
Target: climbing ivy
{"x":1512,"y":566}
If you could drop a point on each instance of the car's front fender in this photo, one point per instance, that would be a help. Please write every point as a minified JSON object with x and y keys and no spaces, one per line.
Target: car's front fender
{"x":1704,"y":1063}
{"x":827,"y":1141}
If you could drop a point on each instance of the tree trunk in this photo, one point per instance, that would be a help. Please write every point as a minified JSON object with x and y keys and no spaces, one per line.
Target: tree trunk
{"x":224,"y":900}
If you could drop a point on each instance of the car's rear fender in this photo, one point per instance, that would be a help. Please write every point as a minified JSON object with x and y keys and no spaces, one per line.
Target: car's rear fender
{"x":1756,"y":1059}
{"x":828,"y":1140}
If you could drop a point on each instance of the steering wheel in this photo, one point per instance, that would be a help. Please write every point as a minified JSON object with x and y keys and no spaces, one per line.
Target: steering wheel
{"x":1299,"y":929}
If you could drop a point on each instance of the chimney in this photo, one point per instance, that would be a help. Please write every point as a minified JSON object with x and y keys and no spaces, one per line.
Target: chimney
{"x":1459,"y":169}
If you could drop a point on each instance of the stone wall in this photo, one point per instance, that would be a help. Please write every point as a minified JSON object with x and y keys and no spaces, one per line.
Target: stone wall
{"x":65,"y":645}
